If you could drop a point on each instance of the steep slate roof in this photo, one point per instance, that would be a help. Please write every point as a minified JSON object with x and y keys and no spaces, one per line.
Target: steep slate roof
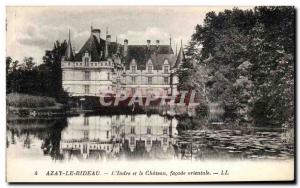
{"x":93,"y":47}
{"x":142,"y":53}
{"x":112,"y":48}
{"x":180,"y":57}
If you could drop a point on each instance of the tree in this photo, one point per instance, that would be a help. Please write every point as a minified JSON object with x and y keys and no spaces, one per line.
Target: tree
{"x":51,"y":70}
{"x":273,"y":74}
{"x":28,"y":63}
{"x":44,"y":79}
{"x":248,"y":60}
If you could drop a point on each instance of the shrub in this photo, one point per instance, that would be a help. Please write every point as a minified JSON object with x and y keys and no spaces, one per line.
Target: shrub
{"x":29,"y":101}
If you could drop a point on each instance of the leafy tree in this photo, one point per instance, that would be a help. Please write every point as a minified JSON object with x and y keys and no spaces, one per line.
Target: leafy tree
{"x":248,"y":60}
{"x":44,"y":79}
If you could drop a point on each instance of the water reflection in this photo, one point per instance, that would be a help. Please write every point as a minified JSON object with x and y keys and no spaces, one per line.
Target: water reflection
{"x":34,"y":138}
{"x":134,"y":137}
{"x":120,"y":136}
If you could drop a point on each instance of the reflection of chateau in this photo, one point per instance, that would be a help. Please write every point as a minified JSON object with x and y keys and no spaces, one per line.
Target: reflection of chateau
{"x":111,"y":136}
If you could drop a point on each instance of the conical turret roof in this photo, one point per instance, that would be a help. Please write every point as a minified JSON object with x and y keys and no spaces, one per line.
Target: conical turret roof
{"x":69,"y":56}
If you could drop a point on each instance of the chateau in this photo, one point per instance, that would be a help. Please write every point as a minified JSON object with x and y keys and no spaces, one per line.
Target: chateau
{"x":102,"y":66}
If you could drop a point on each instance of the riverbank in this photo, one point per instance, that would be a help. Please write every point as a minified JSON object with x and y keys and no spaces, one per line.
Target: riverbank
{"x":24,"y":106}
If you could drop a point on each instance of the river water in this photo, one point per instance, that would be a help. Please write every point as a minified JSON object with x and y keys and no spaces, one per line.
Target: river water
{"x":139,"y":137}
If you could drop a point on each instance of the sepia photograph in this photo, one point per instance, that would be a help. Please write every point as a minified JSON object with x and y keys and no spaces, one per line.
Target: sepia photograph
{"x":150,"y":94}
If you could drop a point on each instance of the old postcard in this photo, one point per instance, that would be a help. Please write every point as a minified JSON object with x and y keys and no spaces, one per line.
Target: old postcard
{"x":150,"y":94}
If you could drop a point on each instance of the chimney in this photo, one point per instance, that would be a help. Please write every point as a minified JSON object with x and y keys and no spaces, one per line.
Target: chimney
{"x":157,"y":43}
{"x":108,"y":39}
{"x":125,"y":47}
{"x":96,"y":32}
{"x":148,"y":43}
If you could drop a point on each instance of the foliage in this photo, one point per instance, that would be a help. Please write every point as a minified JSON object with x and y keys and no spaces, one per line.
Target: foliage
{"x":246,"y":64}
{"x":29,"y":101}
{"x":44,"y":79}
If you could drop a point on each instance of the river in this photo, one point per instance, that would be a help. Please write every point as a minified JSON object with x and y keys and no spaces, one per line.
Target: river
{"x":139,"y":137}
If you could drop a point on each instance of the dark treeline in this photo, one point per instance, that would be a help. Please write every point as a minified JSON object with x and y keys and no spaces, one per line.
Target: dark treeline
{"x":246,"y":58}
{"x":43,"y":80}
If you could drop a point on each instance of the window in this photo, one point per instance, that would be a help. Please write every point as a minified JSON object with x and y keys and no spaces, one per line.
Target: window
{"x":166,"y":80}
{"x":132,"y":118}
{"x":133,"y":68}
{"x":86,"y":89}
{"x":92,"y":64}
{"x":165,"y":140}
{"x":166,"y":69}
{"x":133,"y":79}
{"x":86,"y":75}
{"x":86,"y":120}
{"x":148,"y":130}
{"x":148,"y":142}
{"x":86,"y":61}
{"x":165,"y":131}
{"x":69,"y":64}
{"x":132,"y":130}
{"x":150,"y":68}
{"x":149,"y":80}
{"x":107,"y":134}
{"x":108,"y":76}
{"x":132,"y":140}
{"x":85,"y":134}
{"x":84,"y":148}
{"x":132,"y":91}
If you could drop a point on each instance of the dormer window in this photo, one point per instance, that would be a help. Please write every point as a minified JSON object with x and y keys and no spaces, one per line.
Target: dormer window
{"x":149,"y":66}
{"x":166,"y":69}
{"x":133,"y":66}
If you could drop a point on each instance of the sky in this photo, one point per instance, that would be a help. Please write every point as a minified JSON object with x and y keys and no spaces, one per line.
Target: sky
{"x":32,"y":30}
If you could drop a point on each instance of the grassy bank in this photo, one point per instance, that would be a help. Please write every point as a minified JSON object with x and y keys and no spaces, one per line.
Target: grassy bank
{"x":19,"y":100}
{"x":24,"y":106}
